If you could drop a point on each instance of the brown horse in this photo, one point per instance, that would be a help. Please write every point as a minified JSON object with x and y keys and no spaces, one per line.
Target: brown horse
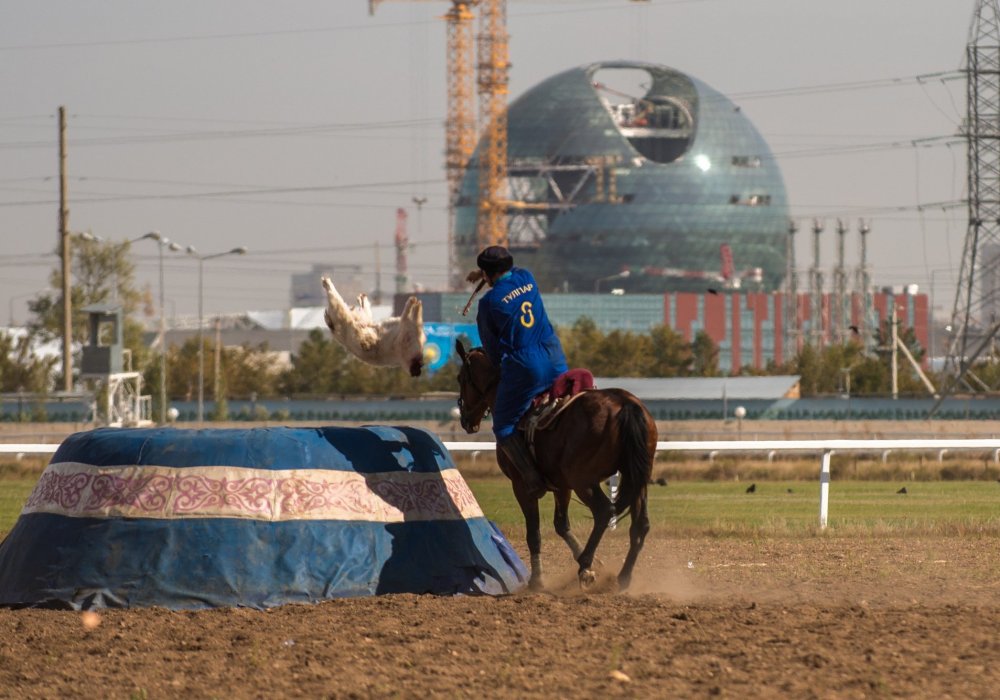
{"x":600,"y":433}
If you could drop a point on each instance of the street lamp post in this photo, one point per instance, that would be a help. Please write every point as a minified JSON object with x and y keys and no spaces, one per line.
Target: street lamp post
{"x":201,"y":339}
{"x":162,"y":242}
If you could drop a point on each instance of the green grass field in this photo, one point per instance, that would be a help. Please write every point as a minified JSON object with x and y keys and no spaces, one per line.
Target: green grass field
{"x":777,"y":508}
{"x":788,"y":507}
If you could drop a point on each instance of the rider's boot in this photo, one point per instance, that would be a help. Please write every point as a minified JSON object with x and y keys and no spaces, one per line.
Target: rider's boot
{"x":519,"y":455}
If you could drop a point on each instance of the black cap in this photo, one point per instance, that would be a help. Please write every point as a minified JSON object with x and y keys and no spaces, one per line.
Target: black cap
{"x":495,"y":260}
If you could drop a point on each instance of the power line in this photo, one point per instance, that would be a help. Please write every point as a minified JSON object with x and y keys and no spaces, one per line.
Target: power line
{"x":846,"y":86}
{"x":222,"y":194}
{"x":173,"y":137}
{"x":367,"y":26}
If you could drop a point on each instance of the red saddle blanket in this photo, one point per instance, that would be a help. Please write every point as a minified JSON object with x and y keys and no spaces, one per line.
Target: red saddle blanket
{"x":569,"y":383}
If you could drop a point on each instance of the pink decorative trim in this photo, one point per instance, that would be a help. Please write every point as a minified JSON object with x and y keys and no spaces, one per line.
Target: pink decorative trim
{"x":80,"y":490}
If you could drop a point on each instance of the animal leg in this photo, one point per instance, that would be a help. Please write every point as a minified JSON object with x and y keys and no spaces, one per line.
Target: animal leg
{"x":636,"y":537}
{"x":412,"y":319}
{"x":364,"y":312}
{"x":336,"y":308}
{"x":560,"y":521}
{"x":600,"y":505}
{"x":414,"y":310}
{"x":529,"y":507}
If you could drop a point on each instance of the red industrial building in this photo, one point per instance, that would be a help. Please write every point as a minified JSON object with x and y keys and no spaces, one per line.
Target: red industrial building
{"x":752,"y":329}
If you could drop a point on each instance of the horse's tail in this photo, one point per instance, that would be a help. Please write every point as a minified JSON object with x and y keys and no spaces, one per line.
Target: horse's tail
{"x":636,"y":464}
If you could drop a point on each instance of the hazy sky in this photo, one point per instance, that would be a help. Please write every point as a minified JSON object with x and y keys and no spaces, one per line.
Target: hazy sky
{"x":297,"y":128}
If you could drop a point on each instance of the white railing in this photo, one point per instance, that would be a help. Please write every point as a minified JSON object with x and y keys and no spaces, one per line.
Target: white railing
{"x":825,"y":448}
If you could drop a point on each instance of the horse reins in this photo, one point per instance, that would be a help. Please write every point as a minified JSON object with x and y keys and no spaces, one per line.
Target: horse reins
{"x":484,"y":393}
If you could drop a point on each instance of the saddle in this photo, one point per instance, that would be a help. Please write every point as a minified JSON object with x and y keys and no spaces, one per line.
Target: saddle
{"x":550,"y":404}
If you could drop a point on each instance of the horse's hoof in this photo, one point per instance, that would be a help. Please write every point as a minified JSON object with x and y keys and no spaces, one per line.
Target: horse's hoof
{"x":587,"y":578}
{"x":535,"y":584}
{"x":597,"y":563}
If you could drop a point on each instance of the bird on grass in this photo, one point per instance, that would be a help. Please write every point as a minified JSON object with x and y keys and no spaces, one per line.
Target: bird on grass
{"x":902,"y":491}
{"x":752,"y":488}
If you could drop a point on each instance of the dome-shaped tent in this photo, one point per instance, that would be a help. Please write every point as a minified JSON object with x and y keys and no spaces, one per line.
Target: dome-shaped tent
{"x":258,"y":517}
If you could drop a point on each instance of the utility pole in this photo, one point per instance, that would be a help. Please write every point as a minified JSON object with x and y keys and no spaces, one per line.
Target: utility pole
{"x":840,"y":317}
{"x":793,"y":339}
{"x":378,"y":274}
{"x":895,"y":347}
{"x":864,"y":286}
{"x":816,"y":327}
{"x":402,"y":243}
{"x":216,"y":389}
{"x":66,"y":257}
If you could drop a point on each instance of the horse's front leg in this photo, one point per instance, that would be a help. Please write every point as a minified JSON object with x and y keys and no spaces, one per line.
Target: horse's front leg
{"x":560,"y":521}
{"x":600,"y":505}
{"x":529,"y":507}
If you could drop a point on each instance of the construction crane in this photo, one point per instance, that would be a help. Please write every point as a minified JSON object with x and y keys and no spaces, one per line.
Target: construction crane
{"x":487,"y":65}
{"x":492,"y":67}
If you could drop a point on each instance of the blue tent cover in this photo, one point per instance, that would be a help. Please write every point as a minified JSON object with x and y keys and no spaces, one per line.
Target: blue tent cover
{"x":257,"y":517}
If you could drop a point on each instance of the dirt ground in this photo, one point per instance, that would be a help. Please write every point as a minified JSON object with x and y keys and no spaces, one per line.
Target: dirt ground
{"x":795,"y":617}
{"x":825,"y":616}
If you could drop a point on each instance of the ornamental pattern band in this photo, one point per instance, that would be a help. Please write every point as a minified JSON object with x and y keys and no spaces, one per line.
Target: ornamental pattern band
{"x":79,"y":490}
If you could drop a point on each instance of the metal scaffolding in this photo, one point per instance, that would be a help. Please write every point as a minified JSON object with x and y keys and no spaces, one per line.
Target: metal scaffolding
{"x":976,"y":313}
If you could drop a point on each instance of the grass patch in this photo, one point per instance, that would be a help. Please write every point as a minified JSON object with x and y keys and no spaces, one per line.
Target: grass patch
{"x":785,"y":508}
{"x":30,"y":467}
{"x":13,"y":494}
{"x":897,"y":466}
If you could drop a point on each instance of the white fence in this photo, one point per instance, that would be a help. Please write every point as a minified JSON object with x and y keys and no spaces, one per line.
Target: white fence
{"x":824,"y":448}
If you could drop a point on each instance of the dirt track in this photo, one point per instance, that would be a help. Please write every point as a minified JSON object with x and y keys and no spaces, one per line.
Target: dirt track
{"x":810,"y":617}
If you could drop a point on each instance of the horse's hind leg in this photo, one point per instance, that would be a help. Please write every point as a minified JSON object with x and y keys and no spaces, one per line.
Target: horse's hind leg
{"x":636,"y":536}
{"x":560,"y":521}
{"x":532,"y":524}
{"x":600,"y":505}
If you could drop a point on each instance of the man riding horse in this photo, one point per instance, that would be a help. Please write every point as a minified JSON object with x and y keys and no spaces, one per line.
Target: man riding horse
{"x":519,"y":340}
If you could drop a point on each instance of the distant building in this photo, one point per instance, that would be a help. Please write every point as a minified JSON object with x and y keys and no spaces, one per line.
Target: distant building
{"x":635,"y":175}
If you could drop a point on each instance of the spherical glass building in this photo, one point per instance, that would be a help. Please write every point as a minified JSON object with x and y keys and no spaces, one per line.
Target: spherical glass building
{"x":665,"y":186}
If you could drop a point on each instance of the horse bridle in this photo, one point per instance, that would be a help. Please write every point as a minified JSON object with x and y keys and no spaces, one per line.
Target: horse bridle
{"x":483,"y":393}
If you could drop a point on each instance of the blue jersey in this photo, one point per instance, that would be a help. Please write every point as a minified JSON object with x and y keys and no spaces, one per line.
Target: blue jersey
{"x":519,"y":339}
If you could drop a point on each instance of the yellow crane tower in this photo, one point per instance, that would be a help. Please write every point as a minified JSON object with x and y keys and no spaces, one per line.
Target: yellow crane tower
{"x":490,"y":70}
{"x":493,"y":68}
